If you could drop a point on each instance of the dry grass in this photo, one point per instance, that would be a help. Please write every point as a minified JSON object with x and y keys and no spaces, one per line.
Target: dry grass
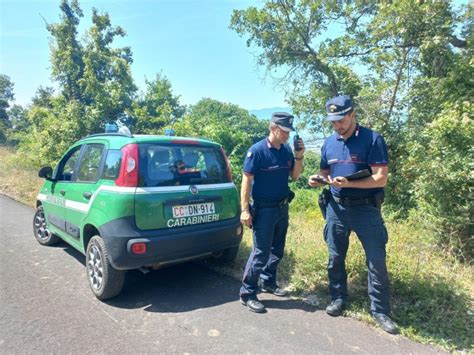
{"x":432,"y":293}
{"x":16,"y":179}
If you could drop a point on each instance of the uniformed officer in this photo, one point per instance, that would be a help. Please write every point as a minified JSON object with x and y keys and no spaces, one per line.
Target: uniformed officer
{"x":267,"y":167}
{"x":354,"y":205}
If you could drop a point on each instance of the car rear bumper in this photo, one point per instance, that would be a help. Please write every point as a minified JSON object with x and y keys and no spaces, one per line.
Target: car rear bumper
{"x":166,"y":245}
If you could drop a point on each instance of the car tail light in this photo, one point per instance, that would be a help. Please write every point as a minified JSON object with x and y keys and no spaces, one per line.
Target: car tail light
{"x":138,"y":248}
{"x":227,"y":166}
{"x":128,"y":175}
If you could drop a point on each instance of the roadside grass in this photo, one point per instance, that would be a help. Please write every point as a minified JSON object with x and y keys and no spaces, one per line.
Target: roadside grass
{"x":17,"y":179}
{"x":432,"y":293}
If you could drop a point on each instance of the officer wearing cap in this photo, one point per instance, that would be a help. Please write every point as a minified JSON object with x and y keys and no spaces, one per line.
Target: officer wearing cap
{"x":267,"y":167}
{"x":354,"y":205}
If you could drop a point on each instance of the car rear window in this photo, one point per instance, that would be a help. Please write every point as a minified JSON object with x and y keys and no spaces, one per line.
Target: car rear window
{"x":174,"y":165}
{"x":112,"y":164}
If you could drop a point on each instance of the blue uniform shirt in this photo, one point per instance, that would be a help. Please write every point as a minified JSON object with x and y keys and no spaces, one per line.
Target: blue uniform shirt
{"x":271,"y":169}
{"x":364,"y":149}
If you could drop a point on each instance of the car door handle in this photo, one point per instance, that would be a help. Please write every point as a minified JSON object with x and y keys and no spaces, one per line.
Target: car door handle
{"x":87,"y":195}
{"x":62,"y":192}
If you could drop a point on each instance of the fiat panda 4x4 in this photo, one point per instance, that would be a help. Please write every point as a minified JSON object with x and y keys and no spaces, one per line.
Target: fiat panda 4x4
{"x":132,"y":202}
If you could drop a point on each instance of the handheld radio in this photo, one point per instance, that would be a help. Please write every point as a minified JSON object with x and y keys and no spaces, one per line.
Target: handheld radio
{"x":296,"y":143}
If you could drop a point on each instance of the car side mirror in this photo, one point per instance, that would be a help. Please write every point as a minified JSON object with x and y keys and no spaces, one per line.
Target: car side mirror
{"x":46,"y":172}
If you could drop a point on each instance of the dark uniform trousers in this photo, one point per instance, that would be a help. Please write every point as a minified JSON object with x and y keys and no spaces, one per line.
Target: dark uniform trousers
{"x":269,"y":234}
{"x":366,"y":221}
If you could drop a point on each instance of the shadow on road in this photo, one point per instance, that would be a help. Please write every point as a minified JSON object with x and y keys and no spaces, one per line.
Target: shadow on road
{"x":71,"y":251}
{"x":181,"y":288}
{"x":289,"y":304}
{"x":185,"y":288}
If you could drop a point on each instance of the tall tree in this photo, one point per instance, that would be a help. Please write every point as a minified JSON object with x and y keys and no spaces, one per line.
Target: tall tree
{"x":414,"y":66}
{"x":43,"y":97}
{"x":95,"y":84}
{"x":107,"y":80}
{"x":156,"y":108}
{"x":386,"y":40}
{"x":94,"y":73}
{"x":6,"y":95}
{"x":67,"y":64}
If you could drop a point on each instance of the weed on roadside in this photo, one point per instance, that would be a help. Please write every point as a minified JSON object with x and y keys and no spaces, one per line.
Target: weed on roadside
{"x":432,"y":293}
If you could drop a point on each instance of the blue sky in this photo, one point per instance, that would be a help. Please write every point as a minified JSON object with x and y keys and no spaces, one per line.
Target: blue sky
{"x":186,"y":40}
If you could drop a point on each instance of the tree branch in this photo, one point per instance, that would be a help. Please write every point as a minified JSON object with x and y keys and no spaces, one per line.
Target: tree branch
{"x":397,"y":84}
{"x":355,"y":20}
{"x":321,"y":67}
{"x":409,"y":45}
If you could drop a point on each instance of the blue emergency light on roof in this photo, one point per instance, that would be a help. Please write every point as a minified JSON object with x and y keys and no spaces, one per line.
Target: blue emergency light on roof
{"x":169,"y":132}
{"x":111,"y":128}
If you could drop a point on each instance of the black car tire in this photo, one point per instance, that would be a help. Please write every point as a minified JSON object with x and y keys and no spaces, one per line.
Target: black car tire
{"x":227,"y":256}
{"x":104,"y":281}
{"x":40,"y":229}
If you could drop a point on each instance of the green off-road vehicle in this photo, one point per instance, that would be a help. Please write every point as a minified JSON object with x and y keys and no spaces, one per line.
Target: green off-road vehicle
{"x":139,"y":202}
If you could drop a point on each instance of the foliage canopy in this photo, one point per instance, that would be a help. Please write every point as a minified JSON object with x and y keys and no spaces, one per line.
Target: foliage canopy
{"x":408,"y":64}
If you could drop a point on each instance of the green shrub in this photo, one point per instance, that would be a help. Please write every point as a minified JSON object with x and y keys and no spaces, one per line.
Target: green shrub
{"x":310,"y":167}
{"x":445,"y":178}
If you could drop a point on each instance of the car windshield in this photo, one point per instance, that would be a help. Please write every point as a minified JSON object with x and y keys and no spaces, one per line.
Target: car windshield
{"x":174,"y":165}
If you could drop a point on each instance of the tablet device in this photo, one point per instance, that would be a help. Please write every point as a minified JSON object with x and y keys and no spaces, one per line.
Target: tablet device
{"x":359,"y":175}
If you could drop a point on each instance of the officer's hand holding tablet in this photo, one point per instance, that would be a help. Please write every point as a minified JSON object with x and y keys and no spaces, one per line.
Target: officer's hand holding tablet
{"x":339,"y":181}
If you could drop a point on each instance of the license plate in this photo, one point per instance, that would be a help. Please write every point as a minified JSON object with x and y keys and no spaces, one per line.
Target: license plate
{"x":193,"y":210}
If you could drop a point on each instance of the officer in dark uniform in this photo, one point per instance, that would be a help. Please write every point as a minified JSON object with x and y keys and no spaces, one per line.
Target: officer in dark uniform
{"x":354,"y":205}
{"x":267,"y":167}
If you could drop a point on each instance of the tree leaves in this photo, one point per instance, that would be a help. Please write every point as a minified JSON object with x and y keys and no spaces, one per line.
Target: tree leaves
{"x":401,"y":61}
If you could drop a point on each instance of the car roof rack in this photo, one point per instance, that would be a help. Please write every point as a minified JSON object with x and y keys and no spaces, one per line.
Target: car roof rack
{"x":110,"y":134}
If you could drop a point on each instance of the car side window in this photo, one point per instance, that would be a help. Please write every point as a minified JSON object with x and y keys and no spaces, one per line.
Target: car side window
{"x":90,"y":162}
{"x":66,"y":168}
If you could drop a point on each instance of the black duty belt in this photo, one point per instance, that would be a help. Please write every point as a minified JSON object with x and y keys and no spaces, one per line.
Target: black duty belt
{"x":270,"y":204}
{"x":349,"y":202}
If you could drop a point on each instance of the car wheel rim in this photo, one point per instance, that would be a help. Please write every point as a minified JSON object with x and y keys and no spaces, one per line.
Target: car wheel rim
{"x":95,"y":267}
{"x":41,"y":230}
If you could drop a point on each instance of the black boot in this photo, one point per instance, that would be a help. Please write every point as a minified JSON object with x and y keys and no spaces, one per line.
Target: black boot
{"x":336,"y":307}
{"x":385,"y":323}
{"x":277,"y":291}
{"x":253,"y":304}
